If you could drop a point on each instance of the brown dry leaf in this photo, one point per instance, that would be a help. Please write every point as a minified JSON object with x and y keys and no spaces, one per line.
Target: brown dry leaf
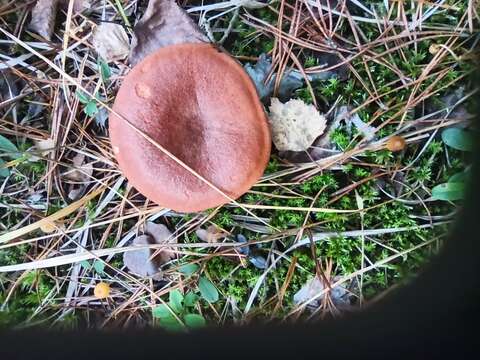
{"x":295,"y":125}
{"x":211,"y":235}
{"x":43,"y":18}
{"x":140,"y":262}
{"x":161,"y":235}
{"x":44,"y":13}
{"x":164,"y":23}
{"x":111,"y":42}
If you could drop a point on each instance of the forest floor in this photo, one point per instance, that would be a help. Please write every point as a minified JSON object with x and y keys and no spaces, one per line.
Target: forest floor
{"x":349,"y":213}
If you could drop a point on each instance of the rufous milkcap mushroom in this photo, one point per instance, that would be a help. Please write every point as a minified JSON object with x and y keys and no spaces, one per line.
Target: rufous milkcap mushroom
{"x":198,"y":104}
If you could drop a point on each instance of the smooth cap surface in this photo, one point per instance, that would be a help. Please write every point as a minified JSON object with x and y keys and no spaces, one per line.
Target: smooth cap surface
{"x":201,"y":106}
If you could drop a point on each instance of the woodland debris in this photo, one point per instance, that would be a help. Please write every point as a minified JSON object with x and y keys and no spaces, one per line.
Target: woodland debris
{"x":45,"y":11}
{"x":111,"y":42}
{"x":164,"y":23}
{"x":211,"y":235}
{"x":339,"y":295}
{"x":140,"y":261}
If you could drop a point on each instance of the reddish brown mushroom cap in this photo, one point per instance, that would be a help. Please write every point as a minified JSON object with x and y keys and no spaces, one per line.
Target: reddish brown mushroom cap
{"x":201,"y":106}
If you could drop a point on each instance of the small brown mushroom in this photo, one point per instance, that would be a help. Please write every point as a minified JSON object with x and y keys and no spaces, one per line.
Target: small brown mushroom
{"x":395,"y":143}
{"x":201,"y":106}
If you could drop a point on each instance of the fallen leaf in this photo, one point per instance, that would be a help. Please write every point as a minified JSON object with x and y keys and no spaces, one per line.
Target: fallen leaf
{"x":339,"y":295}
{"x":43,"y":18}
{"x":111,"y":42}
{"x":164,"y":23}
{"x":291,"y":79}
{"x":45,"y":11}
{"x":34,"y":110}
{"x":392,"y":185}
{"x":449,"y":105}
{"x":35,"y":198}
{"x":228,"y":5}
{"x":354,"y":119}
{"x":327,"y":60}
{"x":259,"y":74}
{"x":211,"y":235}
{"x":342,"y":114}
{"x":140,"y":262}
{"x":161,"y":235}
{"x":252,"y":4}
{"x":294,"y":124}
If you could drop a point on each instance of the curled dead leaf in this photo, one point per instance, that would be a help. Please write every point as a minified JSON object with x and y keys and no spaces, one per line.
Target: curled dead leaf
{"x":140,"y":261}
{"x":111,"y":42}
{"x":294,"y":124}
{"x":164,"y":23}
{"x":161,"y":235}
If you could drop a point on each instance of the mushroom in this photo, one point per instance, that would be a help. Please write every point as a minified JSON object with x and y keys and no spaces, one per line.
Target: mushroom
{"x":200,"y":105}
{"x":396,"y":143}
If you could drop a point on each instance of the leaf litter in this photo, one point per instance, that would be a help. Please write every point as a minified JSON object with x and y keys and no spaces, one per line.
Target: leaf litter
{"x":140,"y":261}
{"x":339,"y":295}
{"x":44,"y":14}
{"x":164,"y":23}
{"x":79,"y":176}
{"x":111,"y":42}
{"x":322,"y":146}
{"x":264,"y":79}
{"x":210,"y":235}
